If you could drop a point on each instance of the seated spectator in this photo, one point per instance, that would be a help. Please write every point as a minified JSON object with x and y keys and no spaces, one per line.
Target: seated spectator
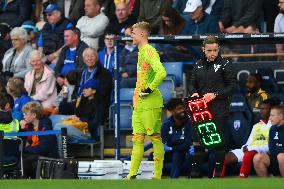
{"x":173,"y":23}
{"x":51,"y":38}
{"x":5,"y":41}
{"x":213,"y":7}
{"x":16,"y":59}
{"x":95,"y":70}
{"x":15,"y":88}
{"x":274,"y":161}
{"x":106,"y":56}
{"x":70,"y":57}
{"x":240,"y":16}
{"x":15,"y":12}
{"x":7,"y":123}
{"x":122,"y":18}
{"x":177,"y":139}
{"x":200,"y":22}
{"x":128,"y":62}
{"x":71,"y":9}
{"x":93,"y":24}
{"x":40,"y":82}
{"x":133,"y":7}
{"x":69,"y":89}
{"x":86,"y":111}
{"x":279,"y":27}
{"x":150,"y":11}
{"x":35,"y":146}
{"x":255,"y":93}
{"x":256,"y":143}
{"x":32,"y":31}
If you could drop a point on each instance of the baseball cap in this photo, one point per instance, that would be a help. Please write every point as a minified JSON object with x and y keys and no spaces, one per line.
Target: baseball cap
{"x":192,"y":5}
{"x":29,"y":25}
{"x":51,"y":7}
{"x":91,"y":83}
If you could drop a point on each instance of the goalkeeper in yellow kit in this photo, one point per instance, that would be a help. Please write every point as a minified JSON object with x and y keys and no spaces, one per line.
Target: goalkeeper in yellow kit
{"x":147,"y":101}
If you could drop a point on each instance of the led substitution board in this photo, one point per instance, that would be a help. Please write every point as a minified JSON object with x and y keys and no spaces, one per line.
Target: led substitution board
{"x":203,"y":121}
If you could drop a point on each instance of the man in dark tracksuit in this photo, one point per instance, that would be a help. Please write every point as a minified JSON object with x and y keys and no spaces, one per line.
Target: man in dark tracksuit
{"x":214,"y":80}
{"x":274,"y":161}
{"x":177,"y":139}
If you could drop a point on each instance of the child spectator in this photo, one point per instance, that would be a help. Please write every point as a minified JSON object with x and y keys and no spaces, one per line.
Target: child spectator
{"x":15,"y":88}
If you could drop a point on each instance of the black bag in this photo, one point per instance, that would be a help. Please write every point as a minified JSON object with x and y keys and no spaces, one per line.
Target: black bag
{"x":49,"y":168}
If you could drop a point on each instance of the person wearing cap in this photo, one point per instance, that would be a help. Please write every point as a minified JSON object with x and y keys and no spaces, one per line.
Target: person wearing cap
{"x":93,"y":24}
{"x":200,"y":22}
{"x":86,"y":110}
{"x":5,"y":42}
{"x":15,"y":12}
{"x":240,"y":16}
{"x":32,"y":31}
{"x":51,"y":38}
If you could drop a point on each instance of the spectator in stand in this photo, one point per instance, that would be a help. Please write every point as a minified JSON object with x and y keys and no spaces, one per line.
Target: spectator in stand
{"x":173,"y":23}
{"x":177,"y":139}
{"x":95,"y":70}
{"x":15,"y":87}
{"x":274,"y":161}
{"x":200,"y":22}
{"x":106,"y":56}
{"x":128,"y":62}
{"x":51,"y":37}
{"x":70,"y":57}
{"x":32,"y":31}
{"x":240,"y":16}
{"x":122,"y":18}
{"x":150,"y":11}
{"x":5,"y":42}
{"x":270,"y":10}
{"x":40,"y":82}
{"x":16,"y":59}
{"x":71,"y":9}
{"x":133,"y":7}
{"x":279,"y":27}
{"x":256,"y":143}
{"x":15,"y":12}
{"x":255,"y":93}
{"x":93,"y":24}
{"x":35,"y":146}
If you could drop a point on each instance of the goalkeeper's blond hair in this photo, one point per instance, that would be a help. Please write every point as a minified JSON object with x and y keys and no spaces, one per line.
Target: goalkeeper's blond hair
{"x":144,"y":26}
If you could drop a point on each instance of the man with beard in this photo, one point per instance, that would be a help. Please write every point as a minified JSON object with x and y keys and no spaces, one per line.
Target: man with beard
{"x":177,"y":139}
{"x":213,"y":80}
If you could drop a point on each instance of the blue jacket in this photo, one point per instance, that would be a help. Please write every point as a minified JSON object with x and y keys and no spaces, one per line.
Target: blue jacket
{"x":17,"y":112}
{"x":276,"y":140}
{"x":47,"y":143}
{"x":207,"y":25}
{"x":106,"y":61}
{"x":179,"y":138}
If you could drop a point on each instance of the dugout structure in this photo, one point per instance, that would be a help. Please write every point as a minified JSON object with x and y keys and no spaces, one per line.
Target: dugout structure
{"x":242,"y":39}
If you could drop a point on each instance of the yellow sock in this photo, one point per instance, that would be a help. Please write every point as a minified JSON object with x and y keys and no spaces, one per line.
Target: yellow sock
{"x":158,"y":156}
{"x":137,"y":154}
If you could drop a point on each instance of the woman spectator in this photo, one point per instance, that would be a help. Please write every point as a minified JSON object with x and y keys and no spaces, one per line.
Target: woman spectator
{"x":16,"y":59}
{"x":44,"y":145}
{"x":172,"y":23}
{"x":15,"y":88}
{"x":40,"y":82}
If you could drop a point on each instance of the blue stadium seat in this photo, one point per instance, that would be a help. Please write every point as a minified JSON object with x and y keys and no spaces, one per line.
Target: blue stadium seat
{"x":241,"y":119}
{"x":125,"y":116}
{"x":126,"y":95}
{"x":174,"y":71}
{"x":167,"y":89}
{"x":279,"y":96}
{"x":269,"y":83}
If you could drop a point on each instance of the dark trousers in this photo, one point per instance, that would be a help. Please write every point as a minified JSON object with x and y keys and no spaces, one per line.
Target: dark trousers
{"x":30,"y":164}
{"x":177,"y":162}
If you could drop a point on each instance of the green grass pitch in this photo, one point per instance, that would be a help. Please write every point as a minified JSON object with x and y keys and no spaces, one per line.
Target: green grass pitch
{"x":227,"y":183}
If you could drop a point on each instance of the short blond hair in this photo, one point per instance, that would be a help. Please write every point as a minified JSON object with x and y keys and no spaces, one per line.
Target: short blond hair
{"x":34,"y":107}
{"x":145,"y":26}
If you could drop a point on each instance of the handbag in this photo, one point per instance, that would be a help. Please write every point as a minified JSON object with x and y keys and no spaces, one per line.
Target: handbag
{"x":50,"y":168}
